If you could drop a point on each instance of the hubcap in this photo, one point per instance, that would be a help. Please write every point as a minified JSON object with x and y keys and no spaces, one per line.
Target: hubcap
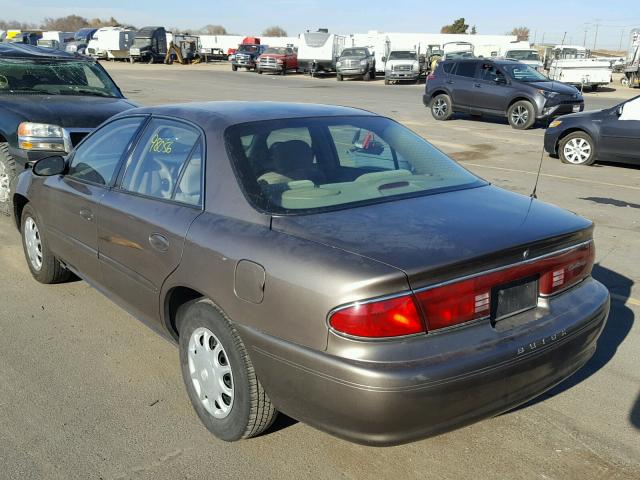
{"x":4,"y":183}
{"x":520,"y":115}
{"x":34,"y":243}
{"x":577,"y":150}
{"x":440,"y":107}
{"x":210,"y":372}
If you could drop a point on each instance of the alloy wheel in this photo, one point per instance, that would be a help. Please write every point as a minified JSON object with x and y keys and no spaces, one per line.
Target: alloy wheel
{"x":520,"y":115}
{"x":440,"y":108}
{"x":34,"y":243}
{"x":210,"y":372}
{"x":577,"y":151}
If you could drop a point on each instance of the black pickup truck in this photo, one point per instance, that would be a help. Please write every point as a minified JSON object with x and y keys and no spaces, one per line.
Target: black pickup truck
{"x":49,"y":101}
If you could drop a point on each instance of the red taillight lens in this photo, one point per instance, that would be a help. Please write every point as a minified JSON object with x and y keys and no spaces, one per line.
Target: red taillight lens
{"x":567,"y":269}
{"x":460,"y":302}
{"x":431,"y":76}
{"x":387,"y":318}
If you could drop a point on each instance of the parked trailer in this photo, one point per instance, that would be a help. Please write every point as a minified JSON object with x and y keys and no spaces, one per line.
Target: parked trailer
{"x":319,"y":51}
{"x":111,"y":43}
{"x":55,"y":39}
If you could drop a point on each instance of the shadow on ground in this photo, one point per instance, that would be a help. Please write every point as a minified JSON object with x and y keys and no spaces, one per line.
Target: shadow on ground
{"x":615,"y":331}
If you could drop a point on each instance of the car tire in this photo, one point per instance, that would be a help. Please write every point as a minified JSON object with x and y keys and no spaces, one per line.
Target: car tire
{"x":366,"y":77}
{"x":234,"y":68}
{"x":246,"y":411}
{"x":521,"y":115}
{"x":372,"y":74}
{"x":8,"y":171}
{"x":284,"y":70}
{"x":258,"y":71}
{"x":151,"y":60}
{"x":44,"y":266}
{"x":577,"y":148}
{"x":441,"y":107}
{"x":386,"y":81}
{"x":594,"y":88}
{"x":339,"y":77}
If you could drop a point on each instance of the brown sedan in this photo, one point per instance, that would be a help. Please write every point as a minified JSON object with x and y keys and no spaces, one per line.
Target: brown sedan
{"x":320,"y":261}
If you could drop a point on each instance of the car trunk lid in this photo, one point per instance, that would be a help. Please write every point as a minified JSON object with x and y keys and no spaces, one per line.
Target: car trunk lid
{"x":440,"y":237}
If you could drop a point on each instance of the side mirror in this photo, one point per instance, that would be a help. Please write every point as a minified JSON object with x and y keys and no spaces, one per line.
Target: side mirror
{"x":384,"y":59}
{"x":620,"y":110}
{"x":50,"y":166}
{"x":500,"y":80}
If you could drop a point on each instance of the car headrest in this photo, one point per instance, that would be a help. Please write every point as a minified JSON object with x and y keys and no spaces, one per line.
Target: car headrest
{"x":291,"y":155}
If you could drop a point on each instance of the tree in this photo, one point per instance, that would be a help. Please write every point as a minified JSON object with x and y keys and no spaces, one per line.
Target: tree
{"x":274,"y":31}
{"x":521,"y":32}
{"x":213,"y":30}
{"x":458,"y":26}
{"x":70,"y":23}
{"x":473,"y":30}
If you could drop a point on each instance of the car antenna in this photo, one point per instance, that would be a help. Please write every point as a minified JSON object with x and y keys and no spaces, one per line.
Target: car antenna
{"x":535,"y":185}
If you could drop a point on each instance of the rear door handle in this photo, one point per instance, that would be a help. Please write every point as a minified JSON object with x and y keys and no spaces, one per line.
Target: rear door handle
{"x":450,"y":81}
{"x":159,"y":242}
{"x":86,"y":214}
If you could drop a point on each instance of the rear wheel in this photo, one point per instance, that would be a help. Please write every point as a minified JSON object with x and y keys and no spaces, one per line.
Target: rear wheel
{"x":234,"y":68}
{"x":219,"y":376}
{"x":8,"y":170}
{"x":258,"y":71}
{"x":577,"y":148}
{"x":521,"y":115}
{"x":151,"y":60}
{"x":339,"y":77}
{"x":44,"y":266}
{"x":386,"y":81}
{"x":441,"y":107}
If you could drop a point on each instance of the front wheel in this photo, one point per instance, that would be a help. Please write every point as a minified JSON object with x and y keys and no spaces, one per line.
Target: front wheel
{"x":577,"y":148}
{"x":44,"y":266}
{"x":258,"y":71}
{"x":8,"y":171}
{"x":521,"y":115}
{"x":386,"y":81}
{"x":441,"y":107}
{"x":339,"y":77}
{"x":219,"y":376}
{"x":234,"y":68}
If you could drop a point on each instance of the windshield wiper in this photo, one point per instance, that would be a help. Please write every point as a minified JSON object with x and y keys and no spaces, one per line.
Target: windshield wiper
{"x":29,"y":90}
{"x":84,"y":91}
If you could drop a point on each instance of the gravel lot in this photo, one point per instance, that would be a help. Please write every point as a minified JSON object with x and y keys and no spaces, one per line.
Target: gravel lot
{"x":86,"y":391}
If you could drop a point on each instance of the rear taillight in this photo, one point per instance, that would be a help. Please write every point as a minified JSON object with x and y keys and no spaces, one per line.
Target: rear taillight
{"x":385,"y":318}
{"x":431,"y":76}
{"x":461,"y":301}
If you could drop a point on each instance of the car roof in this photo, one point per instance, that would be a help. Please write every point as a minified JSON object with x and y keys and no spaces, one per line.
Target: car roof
{"x":499,"y":61}
{"x":229,"y":113}
{"x":24,"y":51}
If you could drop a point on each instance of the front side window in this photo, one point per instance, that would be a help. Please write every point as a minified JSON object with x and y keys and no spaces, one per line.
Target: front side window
{"x":524,"y":73}
{"x":96,"y":159}
{"x":333,"y":162}
{"x":490,"y":72}
{"x":157,"y":164}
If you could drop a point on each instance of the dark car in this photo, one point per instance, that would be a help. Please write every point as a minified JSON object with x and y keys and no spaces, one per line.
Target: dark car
{"x":612,"y":135}
{"x":379,"y":302}
{"x":247,"y":56}
{"x":504,"y":88}
{"x":49,"y":100}
{"x":356,"y":62}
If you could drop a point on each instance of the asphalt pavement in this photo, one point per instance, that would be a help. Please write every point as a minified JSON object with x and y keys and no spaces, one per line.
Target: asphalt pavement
{"x":88,"y":392}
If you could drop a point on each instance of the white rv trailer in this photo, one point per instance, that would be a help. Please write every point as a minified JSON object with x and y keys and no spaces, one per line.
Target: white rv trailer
{"x":571,"y":64}
{"x":111,"y":43}
{"x":318,"y":51}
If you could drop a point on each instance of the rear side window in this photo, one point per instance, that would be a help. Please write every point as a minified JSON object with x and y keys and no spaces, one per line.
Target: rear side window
{"x":447,"y":67}
{"x":466,"y":69}
{"x":97,"y":158}
{"x":159,"y":162}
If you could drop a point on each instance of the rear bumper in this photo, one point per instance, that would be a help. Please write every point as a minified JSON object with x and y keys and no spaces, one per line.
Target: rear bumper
{"x":431,"y":383}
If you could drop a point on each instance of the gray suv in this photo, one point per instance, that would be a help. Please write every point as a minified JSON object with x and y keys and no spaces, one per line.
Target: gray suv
{"x":503,"y":88}
{"x":356,"y":62}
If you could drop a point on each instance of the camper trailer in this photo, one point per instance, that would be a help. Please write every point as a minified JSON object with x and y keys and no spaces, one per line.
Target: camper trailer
{"x":149,"y":45}
{"x":631,"y":70}
{"x":571,"y":64}
{"x":111,"y":43}
{"x":319,"y":51}
{"x":55,"y":39}
{"x":80,"y":40}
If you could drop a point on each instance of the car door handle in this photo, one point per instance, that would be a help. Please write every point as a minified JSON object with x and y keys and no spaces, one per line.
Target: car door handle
{"x":86,"y":214}
{"x":159,"y":242}
{"x":450,"y":81}
{"x":477,"y":85}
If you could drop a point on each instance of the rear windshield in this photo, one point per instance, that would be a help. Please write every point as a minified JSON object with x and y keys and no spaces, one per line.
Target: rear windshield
{"x":55,"y":78}
{"x":402,"y":56}
{"x":316,"y":164}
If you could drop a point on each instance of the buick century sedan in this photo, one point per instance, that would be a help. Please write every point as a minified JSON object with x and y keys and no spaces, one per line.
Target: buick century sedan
{"x":320,"y":261}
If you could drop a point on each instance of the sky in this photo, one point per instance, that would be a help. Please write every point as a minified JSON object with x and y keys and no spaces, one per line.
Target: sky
{"x":543,"y":17}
